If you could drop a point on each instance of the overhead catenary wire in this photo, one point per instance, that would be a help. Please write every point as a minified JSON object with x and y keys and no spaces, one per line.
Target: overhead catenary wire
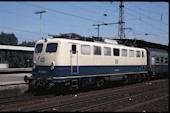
{"x":150,"y":11}
{"x":14,"y":13}
{"x":35,"y":32}
{"x":99,"y":7}
{"x":33,"y":5}
{"x":106,"y":14}
{"x":133,"y":5}
{"x":144,"y":22}
{"x":143,"y":18}
{"x":85,"y":9}
{"x":146,"y":16}
{"x":27,"y":31}
{"x":143,"y":15}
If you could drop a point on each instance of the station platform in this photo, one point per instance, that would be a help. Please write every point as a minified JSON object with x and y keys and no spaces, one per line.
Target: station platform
{"x":11,"y":79}
{"x":13,"y":84}
{"x":15,"y":70}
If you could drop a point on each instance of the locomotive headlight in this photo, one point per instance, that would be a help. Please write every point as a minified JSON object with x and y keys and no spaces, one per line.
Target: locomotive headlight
{"x":52,"y":65}
{"x":52,"y":68}
{"x":33,"y":67}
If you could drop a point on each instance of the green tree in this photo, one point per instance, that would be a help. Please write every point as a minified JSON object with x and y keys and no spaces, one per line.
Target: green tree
{"x":28,"y":44}
{"x":16,"y":59}
{"x":8,"y":39}
{"x":27,"y":58}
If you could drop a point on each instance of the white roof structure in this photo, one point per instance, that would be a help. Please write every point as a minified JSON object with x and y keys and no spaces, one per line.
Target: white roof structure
{"x":16,"y":48}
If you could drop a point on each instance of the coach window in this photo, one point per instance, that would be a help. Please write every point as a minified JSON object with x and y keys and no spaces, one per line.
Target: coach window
{"x":157,"y":60}
{"x":131,"y":53}
{"x":166,"y":60}
{"x":51,"y":47}
{"x":85,"y":49}
{"x":107,"y":51}
{"x":137,"y":53}
{"x":153,"y":60}
{"x":116,"y":52}
{"x":124,"y":52}
{"x":162,"y":60}
{"x":38,"y":48}
{"x":97,"y":50}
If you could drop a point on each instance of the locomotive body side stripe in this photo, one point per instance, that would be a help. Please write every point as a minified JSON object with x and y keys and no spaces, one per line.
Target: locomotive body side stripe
{"x":83,"y":76}
{"x":88,"y":71}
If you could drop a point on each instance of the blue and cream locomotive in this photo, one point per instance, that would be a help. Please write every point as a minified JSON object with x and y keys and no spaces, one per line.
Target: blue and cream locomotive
{"x":77,"y":62}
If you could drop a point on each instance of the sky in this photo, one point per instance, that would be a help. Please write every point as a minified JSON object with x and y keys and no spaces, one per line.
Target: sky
{"x":147,"y":21}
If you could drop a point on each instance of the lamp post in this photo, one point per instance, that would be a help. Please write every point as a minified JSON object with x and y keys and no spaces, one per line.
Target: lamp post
{"x":40,"y":12}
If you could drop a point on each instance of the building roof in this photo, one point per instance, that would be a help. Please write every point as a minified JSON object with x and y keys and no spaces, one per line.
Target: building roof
{"x":16,"y":48}
{"x":142,"y":43}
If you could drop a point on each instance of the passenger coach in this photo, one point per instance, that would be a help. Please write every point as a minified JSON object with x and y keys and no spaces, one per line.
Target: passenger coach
{"x":157,"y":62}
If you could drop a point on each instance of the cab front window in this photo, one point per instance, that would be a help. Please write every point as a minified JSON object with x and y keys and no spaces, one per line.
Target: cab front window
{"x":51,"y":47}
{"x":38,"y":48}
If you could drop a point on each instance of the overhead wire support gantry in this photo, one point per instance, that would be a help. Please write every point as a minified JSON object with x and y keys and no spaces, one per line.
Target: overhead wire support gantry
{"x":104,"y":24}
{"x":121,"y":31}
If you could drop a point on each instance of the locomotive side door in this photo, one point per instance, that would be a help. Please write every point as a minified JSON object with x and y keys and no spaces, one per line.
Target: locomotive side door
{"x":74,"y":58}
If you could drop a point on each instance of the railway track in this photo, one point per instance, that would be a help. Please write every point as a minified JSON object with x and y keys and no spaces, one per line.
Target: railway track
{"x":93,"y":100}
{"x":118,"y":99}
{"x":122,"y":104}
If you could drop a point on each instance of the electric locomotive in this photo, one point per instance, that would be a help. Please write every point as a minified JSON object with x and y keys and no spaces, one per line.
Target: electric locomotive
{"x":80,"y":61}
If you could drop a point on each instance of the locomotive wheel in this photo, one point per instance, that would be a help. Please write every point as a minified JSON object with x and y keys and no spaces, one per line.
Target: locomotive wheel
{"x":72,"y":88}
{"x":74,"y":85}
{"x":33,"y":85}
{"x":139,"y":80}
{"x":125,"y":80}
{"x":148,"y":78}
{"x":100,"y":83}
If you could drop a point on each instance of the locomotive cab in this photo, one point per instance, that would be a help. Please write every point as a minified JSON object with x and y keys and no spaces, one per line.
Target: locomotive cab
{"x":44,"y":62}
{"x":54,"y":59}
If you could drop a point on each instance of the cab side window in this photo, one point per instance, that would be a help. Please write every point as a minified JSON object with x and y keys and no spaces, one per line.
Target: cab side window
{"x":124,"y":52}
{"x":97,"y":50}
{"x":85,"y":49}
{"x":131,"y":53}
{"x":74,"y":49}
{"x":107,"y":51}
{"x":137,"y":53}
{"x":116,"y":52}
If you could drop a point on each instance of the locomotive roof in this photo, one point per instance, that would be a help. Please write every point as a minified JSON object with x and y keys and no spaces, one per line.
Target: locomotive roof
{"x":84,"y":41}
